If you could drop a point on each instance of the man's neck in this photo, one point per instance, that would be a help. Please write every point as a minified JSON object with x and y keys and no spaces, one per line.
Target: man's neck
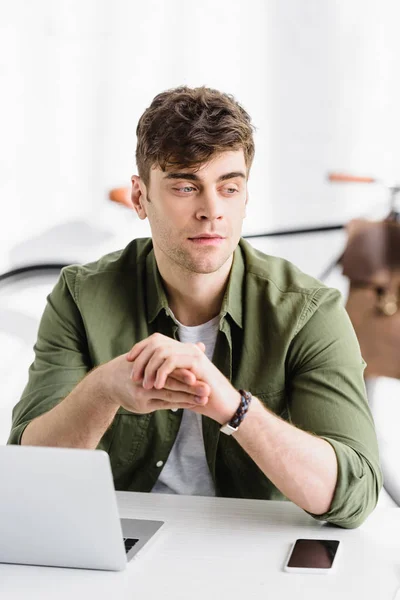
{"x":195,"y":298}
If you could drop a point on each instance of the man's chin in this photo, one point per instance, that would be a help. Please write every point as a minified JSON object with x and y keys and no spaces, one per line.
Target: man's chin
{"x":206,"y":266}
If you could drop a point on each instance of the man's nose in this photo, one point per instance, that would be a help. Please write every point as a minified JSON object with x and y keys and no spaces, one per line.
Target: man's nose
{"x":210,"y":206}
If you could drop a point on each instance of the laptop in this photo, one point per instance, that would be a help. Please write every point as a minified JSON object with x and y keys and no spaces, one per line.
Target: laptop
{"x":58,"y":508}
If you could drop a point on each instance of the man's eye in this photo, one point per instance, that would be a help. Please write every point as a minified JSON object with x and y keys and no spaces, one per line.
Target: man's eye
{"x":186,"y":188}
{"x":231,"y":190}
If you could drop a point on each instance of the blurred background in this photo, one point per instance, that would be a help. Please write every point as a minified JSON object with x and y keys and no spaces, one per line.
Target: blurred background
{"x":319,"y":78}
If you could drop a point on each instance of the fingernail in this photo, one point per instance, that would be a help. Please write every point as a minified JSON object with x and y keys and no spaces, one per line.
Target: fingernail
{"x":198,"y":399}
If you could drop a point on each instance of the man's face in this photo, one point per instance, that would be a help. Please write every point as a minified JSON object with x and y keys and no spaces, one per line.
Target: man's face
{"x":196,"y":217}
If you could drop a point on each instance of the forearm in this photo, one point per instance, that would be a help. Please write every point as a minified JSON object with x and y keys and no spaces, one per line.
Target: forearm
{"x":79,"y":421}
{"x":302,"y":466}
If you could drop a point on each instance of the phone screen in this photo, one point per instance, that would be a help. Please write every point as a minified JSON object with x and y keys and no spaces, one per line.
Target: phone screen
{"x":313,"y":554}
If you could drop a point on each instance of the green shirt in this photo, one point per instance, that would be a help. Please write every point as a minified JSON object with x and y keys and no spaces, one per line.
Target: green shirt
{"x":282,"y":335}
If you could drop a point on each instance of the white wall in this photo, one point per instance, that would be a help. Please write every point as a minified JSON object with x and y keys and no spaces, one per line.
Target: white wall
{"x":318,"y":77}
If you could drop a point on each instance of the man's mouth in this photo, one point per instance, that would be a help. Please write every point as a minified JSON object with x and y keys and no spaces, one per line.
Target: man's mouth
{"x":207,"y":239}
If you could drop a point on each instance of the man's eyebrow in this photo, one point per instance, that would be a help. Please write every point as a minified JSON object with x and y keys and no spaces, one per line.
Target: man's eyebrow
{"x":232,"y":175}
{"x":194,"y":177}
{"x":191,"y":176}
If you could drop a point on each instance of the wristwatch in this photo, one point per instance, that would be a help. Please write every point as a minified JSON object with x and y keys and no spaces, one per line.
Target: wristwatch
{"x":233,"y":425}
{"x":228,"y":429}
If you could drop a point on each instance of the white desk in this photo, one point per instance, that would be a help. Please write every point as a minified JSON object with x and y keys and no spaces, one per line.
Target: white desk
{"x":215,"y":548}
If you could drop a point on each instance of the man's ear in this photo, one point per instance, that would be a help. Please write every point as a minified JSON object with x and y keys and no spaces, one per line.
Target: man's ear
{"x":137,"y":196}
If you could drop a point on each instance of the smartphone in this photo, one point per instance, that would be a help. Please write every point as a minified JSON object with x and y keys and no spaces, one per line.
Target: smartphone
{"x":312,"y":556}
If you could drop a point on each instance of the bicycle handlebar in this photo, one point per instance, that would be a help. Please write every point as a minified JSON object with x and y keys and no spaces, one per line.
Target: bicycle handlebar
{"x":345,"y":178}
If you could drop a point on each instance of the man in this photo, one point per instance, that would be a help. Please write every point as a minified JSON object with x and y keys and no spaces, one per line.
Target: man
{"x":143,"y":352}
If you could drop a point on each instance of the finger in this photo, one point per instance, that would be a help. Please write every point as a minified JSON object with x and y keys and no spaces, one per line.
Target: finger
{"x":136,"y":350}
{"x":189,"y":379}
{"x":173,"y":397}
{"x":151,"y":368}
{"x":184,"y":375}
{"x":201,"y":346}
{"x":152,"y":340}
{"x":140,"y":363}
{"x":199,"y":389}
{"x":161,"y":405}
{"x":185,"y":361}
{"x":157,"y":358}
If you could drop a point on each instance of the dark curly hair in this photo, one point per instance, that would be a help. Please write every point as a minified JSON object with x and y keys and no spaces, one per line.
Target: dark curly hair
{"x":184,"y":127}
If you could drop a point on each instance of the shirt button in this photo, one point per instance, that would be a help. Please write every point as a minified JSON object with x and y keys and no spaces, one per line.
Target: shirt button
{"x":174,"y":409}
{"x":159,"y":463}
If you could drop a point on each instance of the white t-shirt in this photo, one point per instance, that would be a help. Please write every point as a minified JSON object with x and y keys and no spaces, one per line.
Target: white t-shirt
{"x":186,"y":470}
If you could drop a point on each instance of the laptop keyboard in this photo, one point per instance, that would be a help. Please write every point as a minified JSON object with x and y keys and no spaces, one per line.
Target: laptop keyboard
{"x":129,"y":543}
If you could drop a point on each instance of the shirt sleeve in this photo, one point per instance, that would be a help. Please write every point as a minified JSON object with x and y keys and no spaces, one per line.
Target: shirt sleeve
{"x":327,"y":398}
{"x":61,"y":356}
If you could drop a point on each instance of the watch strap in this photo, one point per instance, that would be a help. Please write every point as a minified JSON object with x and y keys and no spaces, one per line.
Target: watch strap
{"x":232,"y":425}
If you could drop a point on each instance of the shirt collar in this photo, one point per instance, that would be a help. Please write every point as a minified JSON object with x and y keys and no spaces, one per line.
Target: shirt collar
{"x":155,"y":293}
{"x":232,"y":303}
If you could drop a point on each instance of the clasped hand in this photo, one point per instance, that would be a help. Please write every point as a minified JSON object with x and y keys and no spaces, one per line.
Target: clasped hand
{"x":179,"y":375}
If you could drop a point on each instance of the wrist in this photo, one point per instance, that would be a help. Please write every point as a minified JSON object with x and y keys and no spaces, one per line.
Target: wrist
{"x":100,"y":382}
{"x":257,"y":414}
{"x":231,"y":426}
{"x":230,"y":407}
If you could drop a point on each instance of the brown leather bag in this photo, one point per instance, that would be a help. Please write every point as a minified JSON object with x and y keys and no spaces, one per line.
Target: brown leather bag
{"x":371,"y":261}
